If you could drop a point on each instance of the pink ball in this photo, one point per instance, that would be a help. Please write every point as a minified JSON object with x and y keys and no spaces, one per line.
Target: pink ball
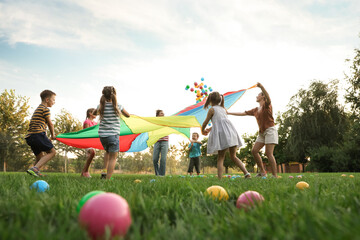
{"x":105,"y":210}
{"x":249,"y":199}
{"x":191,"y":89}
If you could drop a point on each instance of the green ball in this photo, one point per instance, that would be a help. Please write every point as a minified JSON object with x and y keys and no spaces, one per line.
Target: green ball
{"x":85,"y":198}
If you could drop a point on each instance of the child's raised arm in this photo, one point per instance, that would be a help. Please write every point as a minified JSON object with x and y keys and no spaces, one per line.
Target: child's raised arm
{"x":51,"y":128}
{"x":210,"y":114}
{"x":266,"y":94}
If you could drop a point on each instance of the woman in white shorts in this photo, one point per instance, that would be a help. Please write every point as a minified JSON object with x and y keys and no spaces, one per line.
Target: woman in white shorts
{"x":268,"y":135}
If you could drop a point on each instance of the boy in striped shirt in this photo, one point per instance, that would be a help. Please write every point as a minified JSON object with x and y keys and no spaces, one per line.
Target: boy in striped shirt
{"x":36,"y":138}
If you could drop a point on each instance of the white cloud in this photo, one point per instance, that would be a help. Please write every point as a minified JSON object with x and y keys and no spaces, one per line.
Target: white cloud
{"x":113,"y":24}
{"x":233,"y":44}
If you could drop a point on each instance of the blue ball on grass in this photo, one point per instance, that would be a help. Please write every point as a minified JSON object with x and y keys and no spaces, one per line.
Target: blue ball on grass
{"x":40,"y":186}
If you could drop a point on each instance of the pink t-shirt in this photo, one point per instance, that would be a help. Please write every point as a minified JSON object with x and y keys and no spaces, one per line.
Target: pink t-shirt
{"x":89,"y":122}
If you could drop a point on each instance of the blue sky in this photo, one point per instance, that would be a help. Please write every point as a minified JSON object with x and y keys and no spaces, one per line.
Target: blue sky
{"x":150,"y":50}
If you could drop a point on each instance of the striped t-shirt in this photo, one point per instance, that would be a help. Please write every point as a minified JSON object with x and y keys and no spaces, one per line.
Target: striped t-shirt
{"x":38,"y":120}
{"x":110,"y":123}
{"x":166,"y":138}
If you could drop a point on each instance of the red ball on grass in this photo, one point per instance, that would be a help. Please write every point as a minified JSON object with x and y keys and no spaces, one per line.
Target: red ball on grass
{"x":107,"y":210}
{"x":249,"y":199}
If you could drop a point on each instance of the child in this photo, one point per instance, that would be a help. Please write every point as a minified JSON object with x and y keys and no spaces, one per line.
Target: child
{"x":194,"y":154}
{"x":109,"y":128}
{"x":160,"y":147}
{"x":90,"y":153}
{"x":268,"y":135}
{"x":36,"y":138}
{"x":223,"y":135}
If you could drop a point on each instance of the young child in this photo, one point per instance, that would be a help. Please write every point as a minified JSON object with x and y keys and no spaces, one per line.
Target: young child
{"x":268,"y":135}
{"x":109,"y":128}
{"x":90,"y":152}
{"x":223,"y":135}
{"x":160,"y":147}
{"x":194,"y":154}
{"x":36,"y":138}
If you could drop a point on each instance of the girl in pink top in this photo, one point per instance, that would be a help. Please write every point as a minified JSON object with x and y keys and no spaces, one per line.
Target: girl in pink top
{"x":90,"y":152}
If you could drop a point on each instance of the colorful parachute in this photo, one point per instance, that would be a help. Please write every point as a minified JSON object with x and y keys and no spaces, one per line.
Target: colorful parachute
{"x":138,"y":133}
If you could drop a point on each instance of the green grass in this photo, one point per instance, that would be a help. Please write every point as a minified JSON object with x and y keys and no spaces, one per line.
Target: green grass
{"x":177,"y":208}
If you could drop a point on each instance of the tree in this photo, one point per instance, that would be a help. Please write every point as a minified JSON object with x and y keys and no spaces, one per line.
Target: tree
{"x":314,"y":118}
{"x":353,"y":92}
{"x":64,"y":123}
{"x":14,"y":152}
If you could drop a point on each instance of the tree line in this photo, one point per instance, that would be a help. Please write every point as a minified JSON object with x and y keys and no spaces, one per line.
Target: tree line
{"x":316,"y":128}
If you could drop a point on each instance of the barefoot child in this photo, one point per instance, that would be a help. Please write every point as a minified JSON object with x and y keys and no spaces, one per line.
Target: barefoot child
{"x":109,"y":128}
{"x":223,"y":135}
{"x":268,"y":135}
{"x":90,"y":152}
{"x":194,"y":154}
{"x":36,"y":138}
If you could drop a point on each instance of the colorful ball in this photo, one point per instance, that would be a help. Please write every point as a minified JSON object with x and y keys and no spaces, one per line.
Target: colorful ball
{"x":187,"y":87}
{"x":40,"y":186}
{"x":351,"y":176}
{"x":291,"y":177}
{"x":302,"y":185}
{"x":85,"y":198}
{"x":107,"y":210}
{"x":217,"y":192}
{"x":152,"y":180}
{"x":137,"y":181}
{"x":202,"y":79}
{"x":191,"y":89}
{"x":343,"y":175}
{"x":195,"y":84}
{"x":249,"y":199}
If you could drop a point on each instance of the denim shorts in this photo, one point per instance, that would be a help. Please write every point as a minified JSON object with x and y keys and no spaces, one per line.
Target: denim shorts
{"x":110,"y":143}
{"x":39,"y":142}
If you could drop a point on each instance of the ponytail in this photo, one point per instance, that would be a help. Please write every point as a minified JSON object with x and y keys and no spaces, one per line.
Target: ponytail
{"x":214,"y":98}
{"x":207,"y":103}
{"x":222,"y":101}
{"x":109,"y":93}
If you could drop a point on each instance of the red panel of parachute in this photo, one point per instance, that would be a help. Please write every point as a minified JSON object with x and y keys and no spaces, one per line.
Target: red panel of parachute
{"x":125,"y":142}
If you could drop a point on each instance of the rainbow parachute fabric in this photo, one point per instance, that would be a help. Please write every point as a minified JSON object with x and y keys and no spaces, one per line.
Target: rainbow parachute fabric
{"x":138,"y":133}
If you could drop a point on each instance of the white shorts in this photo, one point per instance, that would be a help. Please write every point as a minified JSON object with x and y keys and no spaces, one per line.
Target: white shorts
{"x":270,"y":136}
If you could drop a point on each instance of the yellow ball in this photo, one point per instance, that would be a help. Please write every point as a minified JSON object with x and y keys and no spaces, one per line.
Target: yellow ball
{"x":351,"y":176}
{"x":302,"y":185}
{"x":279,"y":176}
{"x":217,"y":192}
{"x":343,"y":175}
{"x":137,"y":181}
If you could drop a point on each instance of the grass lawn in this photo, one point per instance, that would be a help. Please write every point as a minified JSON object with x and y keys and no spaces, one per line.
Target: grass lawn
{"x":177,"y":208}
